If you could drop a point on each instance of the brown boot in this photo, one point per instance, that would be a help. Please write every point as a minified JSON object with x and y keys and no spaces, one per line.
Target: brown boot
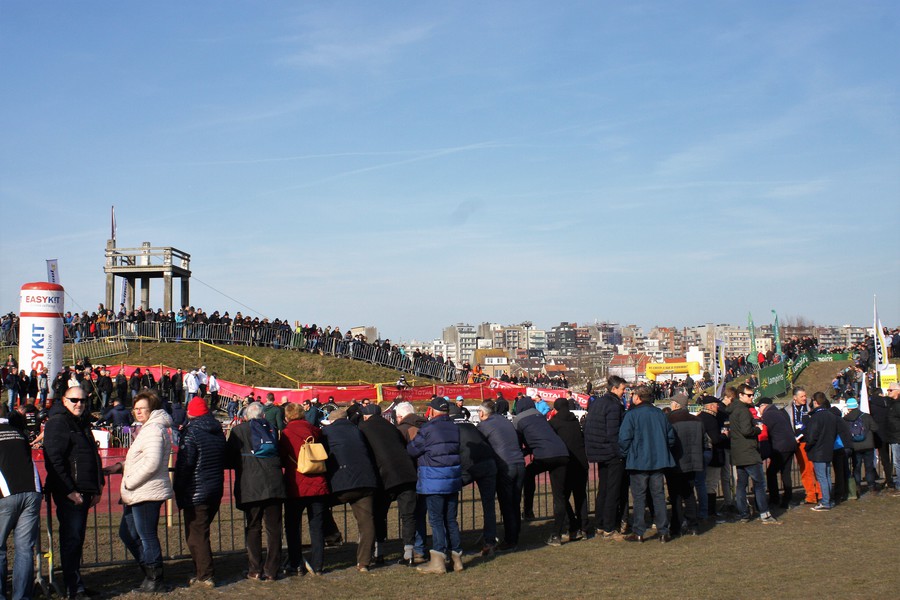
{"x":456,"y":557}
{"x":435,"y":565}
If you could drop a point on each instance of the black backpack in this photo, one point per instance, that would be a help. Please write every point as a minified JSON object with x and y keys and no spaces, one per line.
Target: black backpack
{"x":263,"y":442}
{"x":858,"y":430}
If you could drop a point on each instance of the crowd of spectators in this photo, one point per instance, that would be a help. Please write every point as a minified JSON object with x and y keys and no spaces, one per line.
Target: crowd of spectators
{"x":669,"y":457}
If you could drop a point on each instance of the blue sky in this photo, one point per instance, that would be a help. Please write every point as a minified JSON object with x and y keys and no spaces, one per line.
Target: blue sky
{"x":414,"y":164}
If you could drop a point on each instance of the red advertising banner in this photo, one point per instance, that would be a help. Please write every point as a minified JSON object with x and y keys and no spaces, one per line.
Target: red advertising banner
{"x":346,"y":394}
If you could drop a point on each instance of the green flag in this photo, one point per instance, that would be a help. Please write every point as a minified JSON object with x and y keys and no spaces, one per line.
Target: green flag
{"x":753,"y":358}
{"x":777,"y":334}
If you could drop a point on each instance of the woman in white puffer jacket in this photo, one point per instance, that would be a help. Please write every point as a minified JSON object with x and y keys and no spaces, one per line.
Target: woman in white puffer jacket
{"x":145,"y":486}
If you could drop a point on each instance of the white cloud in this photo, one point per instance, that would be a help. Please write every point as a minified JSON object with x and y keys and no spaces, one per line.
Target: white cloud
{"x":329,"y":48}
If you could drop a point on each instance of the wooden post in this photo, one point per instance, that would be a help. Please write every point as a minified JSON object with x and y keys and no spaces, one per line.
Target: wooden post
{"x":169,"y":501}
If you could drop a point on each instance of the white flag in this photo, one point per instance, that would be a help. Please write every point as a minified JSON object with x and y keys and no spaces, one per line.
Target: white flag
{"x":719,"y":373}
{"x":864,"y":395}
{"x":881,"y":360}
{"x":53,"y":271}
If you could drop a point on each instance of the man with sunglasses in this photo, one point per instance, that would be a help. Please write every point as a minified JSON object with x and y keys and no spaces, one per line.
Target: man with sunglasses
{"x":74,"y":480}
{"x":744,"y":433}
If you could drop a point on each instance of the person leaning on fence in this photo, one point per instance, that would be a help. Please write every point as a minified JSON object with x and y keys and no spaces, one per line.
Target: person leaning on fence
{"x":199,"y":483}
{"x":409,"y":423}
{"x":501,"y":435}
{"x":549,"y":455}
{"x":477,"y":460}
{"x":20,"y":508}
{"x":145,"y":486}
{"x":436,"y":448}
{"x":397,"y":481}
{"x":304,"y":492}
{"x":566,"y":426}
{"x":74,"y":481}
{"x":258,"y":490}
{"x":352,"y":479}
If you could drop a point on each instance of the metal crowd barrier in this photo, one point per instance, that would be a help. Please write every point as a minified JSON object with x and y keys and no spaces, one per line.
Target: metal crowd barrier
{"x":103,"y":546}
{"x":270,"y":337}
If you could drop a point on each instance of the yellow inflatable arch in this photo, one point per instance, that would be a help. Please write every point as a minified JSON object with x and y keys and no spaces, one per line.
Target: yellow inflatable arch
{"x":655,"y":369}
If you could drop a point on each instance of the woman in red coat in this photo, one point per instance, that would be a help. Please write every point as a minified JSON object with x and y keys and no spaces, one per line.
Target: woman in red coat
{"x":304,"y":492}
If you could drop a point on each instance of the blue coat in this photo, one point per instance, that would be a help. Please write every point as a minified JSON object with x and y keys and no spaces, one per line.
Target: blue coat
{"x":436,"y":448}
{"x":646,"y":439}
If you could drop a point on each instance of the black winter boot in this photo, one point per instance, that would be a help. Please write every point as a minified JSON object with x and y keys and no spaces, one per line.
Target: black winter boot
{"x":153,"y":583}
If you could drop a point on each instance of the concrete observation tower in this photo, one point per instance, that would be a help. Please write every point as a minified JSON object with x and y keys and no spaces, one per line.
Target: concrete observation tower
{"x":143,"y":264}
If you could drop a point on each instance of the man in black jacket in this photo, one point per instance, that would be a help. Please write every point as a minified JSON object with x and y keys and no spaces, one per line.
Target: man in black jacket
{"x":820,"y":434}
{"x":713,"y":456}
{"x":892,"y":430}
{"x":784,"y":446}
{"x":566,"y":426}
{"x":104,"y":388}
{"x":396,"y":481}
{"x":879,"y":405}
{"x":74,"y":479}
{"x":122,"y":387}
{"x":20,"y":507}
{"x":199,"y":483}
{"x":744,"y":433}
{"x":688,"y":455}
{"x":601,"y":441}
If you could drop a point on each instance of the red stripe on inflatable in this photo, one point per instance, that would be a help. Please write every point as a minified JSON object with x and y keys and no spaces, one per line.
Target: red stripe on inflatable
{"x":57,"y":315}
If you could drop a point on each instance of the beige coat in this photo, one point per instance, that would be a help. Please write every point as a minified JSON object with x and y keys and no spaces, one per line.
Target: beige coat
{"x":146,"y":474}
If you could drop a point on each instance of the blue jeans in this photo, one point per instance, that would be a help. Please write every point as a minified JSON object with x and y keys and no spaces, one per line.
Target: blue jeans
{"x":19,"y":513}
{"x":895,"y":453}
{"x":744,"y":475}
{"x":421,"y":531}
{"x":72,"y":527}
{"x":641,"y":481}
{"x":442,"y":510}
{"x":138,"y":532}
{"x":823,"y":476}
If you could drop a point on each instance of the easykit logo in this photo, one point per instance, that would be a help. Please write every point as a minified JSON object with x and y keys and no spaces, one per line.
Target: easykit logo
{"x":38,"y":347}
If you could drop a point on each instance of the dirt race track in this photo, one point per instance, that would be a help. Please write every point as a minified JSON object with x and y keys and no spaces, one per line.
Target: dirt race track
{"x":845,"y":553}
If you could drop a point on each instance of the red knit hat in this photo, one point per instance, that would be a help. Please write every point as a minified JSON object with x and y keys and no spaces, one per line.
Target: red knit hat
{"x":197,"y":407}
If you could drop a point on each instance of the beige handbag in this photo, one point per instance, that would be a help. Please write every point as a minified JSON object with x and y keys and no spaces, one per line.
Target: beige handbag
{"x":312,"y":457}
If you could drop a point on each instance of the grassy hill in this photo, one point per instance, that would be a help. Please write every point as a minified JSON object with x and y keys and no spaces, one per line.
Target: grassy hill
{"x":815,"y":378}
{"x":224,"y":360}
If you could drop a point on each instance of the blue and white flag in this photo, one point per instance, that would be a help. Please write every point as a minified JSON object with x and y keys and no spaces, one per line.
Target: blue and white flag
{"x":53,"y":270}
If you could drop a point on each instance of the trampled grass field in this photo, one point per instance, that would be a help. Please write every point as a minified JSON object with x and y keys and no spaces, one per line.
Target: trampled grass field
{"x":845,"y":553}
